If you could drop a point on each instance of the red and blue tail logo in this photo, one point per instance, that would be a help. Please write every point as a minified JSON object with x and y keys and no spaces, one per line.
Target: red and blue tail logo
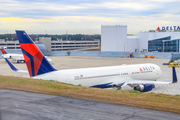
{"x":36,"y":62}
{"x":158,"y":29}
{"x":3,"y":51}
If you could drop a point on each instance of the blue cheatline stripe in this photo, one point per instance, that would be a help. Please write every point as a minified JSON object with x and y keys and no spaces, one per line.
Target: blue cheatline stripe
{"x":31,"y":60}
{"x":106,"y":85}
{"x":11,"y":65}
{"x":174,"y":75}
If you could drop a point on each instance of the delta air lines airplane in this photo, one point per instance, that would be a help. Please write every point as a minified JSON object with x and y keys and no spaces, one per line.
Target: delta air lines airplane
{"x":141,"y":77}
{"x":15,"y":57}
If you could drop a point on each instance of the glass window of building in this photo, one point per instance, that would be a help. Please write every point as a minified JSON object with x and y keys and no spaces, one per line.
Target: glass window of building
{"x":163,"y":45}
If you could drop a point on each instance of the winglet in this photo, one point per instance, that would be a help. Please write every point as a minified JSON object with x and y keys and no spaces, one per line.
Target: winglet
{"x":174,"y":75}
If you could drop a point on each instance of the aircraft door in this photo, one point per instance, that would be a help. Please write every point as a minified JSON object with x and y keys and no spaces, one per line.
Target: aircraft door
{"x":68,"y":79}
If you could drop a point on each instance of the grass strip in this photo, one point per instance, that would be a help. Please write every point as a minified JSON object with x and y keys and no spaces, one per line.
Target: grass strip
{"x":163,"y":102}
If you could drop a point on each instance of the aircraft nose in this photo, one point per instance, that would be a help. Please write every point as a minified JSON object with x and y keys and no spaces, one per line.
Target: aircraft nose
{"x":159,"y":71}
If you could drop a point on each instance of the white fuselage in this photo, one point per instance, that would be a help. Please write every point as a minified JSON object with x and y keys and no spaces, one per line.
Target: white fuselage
{"x":18,"y":57}
{"x":13,"y":56}
{"x":104,"y":75}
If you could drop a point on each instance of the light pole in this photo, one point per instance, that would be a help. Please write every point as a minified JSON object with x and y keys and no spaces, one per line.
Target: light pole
{"x":66,"y":35}
{"x":68,"y":45}
{"x":138,"y":46}
{"x":68,"y":52}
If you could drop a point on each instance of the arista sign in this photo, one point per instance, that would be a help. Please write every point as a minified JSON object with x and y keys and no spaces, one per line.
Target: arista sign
{"x":169,"y":28}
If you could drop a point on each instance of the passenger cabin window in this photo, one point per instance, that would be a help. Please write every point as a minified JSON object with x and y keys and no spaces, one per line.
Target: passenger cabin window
{"x":125,"y":74}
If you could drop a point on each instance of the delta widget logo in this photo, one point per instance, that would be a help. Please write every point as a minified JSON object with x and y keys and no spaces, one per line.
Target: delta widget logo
{"x":158,"y":29}
{"x":3,"y":51}
{"x":169,"y":28}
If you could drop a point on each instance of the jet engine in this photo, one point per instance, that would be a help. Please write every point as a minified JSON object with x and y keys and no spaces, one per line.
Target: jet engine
{"x":144,"y":88}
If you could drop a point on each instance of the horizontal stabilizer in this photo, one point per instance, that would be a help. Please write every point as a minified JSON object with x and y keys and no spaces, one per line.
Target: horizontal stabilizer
{"x":13,"y":67}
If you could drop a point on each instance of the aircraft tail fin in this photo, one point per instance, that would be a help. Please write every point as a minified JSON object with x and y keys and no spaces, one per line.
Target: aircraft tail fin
{"x":36,"y":62}
{"x":3,"y":50}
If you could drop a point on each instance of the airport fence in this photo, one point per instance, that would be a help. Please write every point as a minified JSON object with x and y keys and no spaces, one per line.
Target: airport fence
{"x":111,"y":54}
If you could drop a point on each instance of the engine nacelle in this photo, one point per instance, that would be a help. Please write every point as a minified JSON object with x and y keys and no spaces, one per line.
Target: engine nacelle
{"x":144,"y":88}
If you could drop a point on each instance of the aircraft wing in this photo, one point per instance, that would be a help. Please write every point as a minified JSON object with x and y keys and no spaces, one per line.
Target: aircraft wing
{"x":140,"y":85}
{"x":136,"y":82}
{"x":132,"y":82}
{"x":14,"y":68}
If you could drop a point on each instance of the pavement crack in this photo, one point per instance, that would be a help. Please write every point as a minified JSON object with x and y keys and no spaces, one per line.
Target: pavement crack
{"x":130,"y":116}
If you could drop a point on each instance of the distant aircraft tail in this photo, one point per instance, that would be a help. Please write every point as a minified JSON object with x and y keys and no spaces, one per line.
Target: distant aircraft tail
{"x":3,"y":50}
{"x":36,"y":62}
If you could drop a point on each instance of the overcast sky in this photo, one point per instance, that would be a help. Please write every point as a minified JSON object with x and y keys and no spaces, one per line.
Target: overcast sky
{"x":86,"y":16}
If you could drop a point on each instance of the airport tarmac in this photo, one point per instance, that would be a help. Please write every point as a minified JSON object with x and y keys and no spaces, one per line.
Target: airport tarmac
{"x":73,"y":62}
{"x":18,"y":105}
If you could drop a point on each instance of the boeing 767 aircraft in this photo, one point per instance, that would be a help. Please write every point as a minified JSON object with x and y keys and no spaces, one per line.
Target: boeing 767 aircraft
{"x":141,"y":77}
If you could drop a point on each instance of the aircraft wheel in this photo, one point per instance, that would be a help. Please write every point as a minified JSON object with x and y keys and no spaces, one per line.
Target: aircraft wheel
{"x":17,"y":61}
{"x":24,"y":61}
{"x":117,"y":88}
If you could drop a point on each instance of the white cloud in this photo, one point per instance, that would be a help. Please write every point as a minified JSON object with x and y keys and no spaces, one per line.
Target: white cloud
{"x":164,"y":1}
{"x":123,"y":5}
{"x":89,"y":24}
{"x":12,"y":5}
{"x":108,"y":13}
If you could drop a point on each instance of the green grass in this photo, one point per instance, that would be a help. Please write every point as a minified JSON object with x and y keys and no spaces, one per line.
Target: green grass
{"x":170,"y":103}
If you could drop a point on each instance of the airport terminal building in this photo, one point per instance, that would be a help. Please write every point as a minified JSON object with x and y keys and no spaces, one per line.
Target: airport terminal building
{"x":114,"y":38}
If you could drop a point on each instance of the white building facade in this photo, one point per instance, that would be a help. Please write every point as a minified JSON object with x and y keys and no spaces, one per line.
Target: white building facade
{"x":114,"y":38}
